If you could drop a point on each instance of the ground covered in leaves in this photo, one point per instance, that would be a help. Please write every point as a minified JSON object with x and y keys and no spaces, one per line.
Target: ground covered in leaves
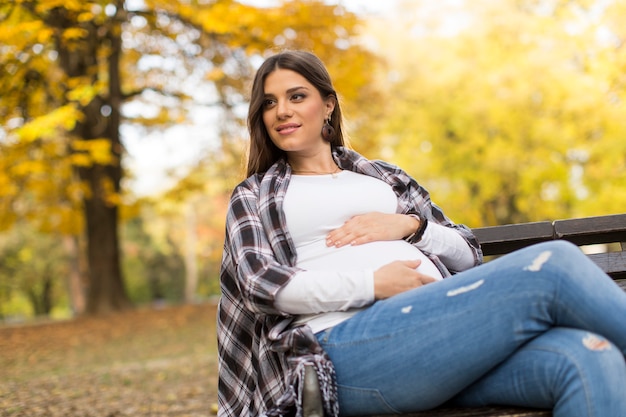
{"x":146,"y":362}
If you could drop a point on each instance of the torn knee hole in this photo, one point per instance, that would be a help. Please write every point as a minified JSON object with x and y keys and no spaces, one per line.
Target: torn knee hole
{"x":593,"y":342}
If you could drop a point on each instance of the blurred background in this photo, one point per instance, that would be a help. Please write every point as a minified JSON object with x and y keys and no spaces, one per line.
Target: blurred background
{"x":122,"y":126}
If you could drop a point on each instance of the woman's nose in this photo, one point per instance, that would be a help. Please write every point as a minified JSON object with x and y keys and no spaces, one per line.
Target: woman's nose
{"x":283,"y":110}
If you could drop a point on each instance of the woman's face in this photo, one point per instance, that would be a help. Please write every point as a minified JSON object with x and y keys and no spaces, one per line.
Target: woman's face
{"x":294,"y":112}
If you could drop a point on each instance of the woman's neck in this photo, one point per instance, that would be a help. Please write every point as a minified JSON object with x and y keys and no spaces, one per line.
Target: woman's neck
{"x":312,"y":167}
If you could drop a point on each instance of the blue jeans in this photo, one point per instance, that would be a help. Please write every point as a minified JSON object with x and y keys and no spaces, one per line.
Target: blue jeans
{"x":541,"y":327}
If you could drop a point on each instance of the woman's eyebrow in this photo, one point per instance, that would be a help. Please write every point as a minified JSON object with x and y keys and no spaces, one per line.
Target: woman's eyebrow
{"x":289,"y":91}
{"x":293,"y":89}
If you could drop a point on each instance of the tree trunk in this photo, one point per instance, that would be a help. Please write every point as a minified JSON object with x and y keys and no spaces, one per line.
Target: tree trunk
{"x":76,"y":281}
{"x":106,"y":291}
{"x":41,"y":301}
{"x":191,"y":263}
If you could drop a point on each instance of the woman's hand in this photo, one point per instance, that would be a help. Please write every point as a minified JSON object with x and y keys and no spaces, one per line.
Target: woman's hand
{"x":397,"y":277}
{"x":371,"y":227}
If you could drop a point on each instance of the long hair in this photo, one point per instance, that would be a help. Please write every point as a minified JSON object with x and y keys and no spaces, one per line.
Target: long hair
{"x":263,"y":153}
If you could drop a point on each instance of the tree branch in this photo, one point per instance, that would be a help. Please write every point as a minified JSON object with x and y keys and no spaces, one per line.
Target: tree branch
{"x":136,"y":93}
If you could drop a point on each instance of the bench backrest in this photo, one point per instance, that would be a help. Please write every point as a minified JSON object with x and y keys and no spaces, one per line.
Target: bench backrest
{"x":498,"y":240}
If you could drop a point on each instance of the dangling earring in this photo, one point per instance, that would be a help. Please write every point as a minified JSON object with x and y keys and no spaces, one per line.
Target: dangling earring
{"x":328,"y":132}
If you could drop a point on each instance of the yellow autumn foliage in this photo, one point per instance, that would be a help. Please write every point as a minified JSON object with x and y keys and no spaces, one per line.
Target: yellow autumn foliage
{"x":54,"y":123}
{"x":74,"y":33}
{"x":92,"y":151}
{"x":74,"y":71}
{"x":509,"y":113}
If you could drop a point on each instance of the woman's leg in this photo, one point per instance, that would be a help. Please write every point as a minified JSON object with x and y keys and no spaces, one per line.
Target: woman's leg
{"x":417,"y":350}
{"x":574,"y":372}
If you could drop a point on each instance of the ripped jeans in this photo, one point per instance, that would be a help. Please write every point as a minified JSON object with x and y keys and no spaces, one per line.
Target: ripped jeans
{"x":542,"y":327}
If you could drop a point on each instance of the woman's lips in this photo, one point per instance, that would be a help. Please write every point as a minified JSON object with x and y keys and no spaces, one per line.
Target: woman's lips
{"x":287,"y":128}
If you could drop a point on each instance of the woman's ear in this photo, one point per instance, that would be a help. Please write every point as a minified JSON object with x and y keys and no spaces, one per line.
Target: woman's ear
{"x":331,"y":101}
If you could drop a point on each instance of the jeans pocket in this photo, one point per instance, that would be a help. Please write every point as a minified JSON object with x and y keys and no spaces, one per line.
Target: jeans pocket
{"x":354,"y":401}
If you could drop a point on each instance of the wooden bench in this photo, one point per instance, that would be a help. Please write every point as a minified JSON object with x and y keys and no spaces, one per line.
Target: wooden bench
{"x":608,"y":231}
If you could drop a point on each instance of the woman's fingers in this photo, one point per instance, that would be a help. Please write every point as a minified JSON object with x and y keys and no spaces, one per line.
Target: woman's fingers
{"x":372,"y":227}
{"x":397,"y":277}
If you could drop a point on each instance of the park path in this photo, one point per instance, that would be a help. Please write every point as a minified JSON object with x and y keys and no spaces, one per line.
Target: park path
{"x":141,"y":363}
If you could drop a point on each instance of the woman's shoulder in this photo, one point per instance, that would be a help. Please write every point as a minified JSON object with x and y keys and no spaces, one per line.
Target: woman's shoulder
{"x":277,"y":170}
{"x":248,"y":186}
{"x":388,"y":166}
{"x":351,"y":156}
{"x":261,"y":182}
{"x":374,"y":167}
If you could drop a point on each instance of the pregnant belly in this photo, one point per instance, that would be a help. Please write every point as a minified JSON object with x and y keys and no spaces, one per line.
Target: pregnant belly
{"x":317,"y":256}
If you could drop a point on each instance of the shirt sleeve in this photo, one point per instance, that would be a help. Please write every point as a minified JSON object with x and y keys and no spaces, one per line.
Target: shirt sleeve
{"x":443,"y":238}
{"x":445,"y":242}
{"x":312,"y":292}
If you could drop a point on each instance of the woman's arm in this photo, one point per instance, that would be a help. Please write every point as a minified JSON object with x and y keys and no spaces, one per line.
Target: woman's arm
{"x":450,"y":246}
{"x":456,"y":246}
{"x":444,"y":241}
{"x":312,"y":292}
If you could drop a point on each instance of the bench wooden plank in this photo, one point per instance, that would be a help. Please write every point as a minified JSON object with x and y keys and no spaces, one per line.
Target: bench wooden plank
{"x":497,"y":240}
{"x":613,"y":263}
{"x":591,"y":230}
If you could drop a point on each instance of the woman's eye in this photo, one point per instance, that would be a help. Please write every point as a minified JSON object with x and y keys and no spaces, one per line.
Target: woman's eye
{"x":298,"y":97}
{"x":269,"y":102}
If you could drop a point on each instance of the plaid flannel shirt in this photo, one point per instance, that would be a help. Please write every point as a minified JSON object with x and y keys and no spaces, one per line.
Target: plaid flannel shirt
{"x":261,"y":357}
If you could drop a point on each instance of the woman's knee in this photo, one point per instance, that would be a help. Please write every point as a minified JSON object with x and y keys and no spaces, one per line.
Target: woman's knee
{"x":558,"y":258}
{"x":558,"y":250}
{"x":578,"y":343}
{"x":586,"y":361}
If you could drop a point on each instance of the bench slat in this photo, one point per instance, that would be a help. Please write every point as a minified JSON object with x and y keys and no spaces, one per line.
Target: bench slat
{"x":591,"y":230}
{"x":496,"y":240}
{"x":613,"y":263}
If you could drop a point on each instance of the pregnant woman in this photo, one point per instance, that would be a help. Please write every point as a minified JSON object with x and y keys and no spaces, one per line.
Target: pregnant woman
{"x":344,"y":263}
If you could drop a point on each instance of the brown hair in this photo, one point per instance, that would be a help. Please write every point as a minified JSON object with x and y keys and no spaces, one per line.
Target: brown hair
{"x":263,"y":153}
